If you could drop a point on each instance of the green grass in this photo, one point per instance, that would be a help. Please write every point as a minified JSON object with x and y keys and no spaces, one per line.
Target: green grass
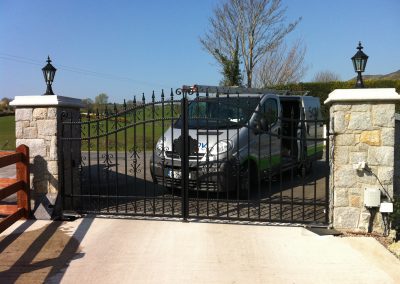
{"x":7,"y":132}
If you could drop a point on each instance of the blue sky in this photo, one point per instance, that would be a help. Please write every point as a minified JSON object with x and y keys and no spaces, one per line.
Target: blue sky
{"x":124,"y":48}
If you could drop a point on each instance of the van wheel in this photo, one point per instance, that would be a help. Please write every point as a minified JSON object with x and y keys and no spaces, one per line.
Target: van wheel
{"x":248,"y":180}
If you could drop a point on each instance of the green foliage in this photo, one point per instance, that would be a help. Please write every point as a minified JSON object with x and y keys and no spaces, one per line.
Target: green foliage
{"x":231,"y":68}
{"x":7,"y":133}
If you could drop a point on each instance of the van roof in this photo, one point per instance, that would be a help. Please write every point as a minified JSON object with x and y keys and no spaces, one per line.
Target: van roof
{"x":233,"y":90}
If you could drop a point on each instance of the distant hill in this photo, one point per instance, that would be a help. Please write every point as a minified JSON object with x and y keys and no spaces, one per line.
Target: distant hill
{"x":390,"y":76}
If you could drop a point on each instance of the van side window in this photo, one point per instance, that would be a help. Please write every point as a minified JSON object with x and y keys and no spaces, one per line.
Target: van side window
{"x":270,"y":111}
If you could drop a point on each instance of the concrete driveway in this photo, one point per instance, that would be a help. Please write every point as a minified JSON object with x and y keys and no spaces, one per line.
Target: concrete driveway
{"x":100,"y":250}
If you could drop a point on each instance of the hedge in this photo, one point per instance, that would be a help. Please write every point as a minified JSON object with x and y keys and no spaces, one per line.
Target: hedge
{"x":322,"y":90}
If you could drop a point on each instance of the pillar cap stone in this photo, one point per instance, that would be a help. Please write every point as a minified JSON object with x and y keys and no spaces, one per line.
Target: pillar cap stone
{"x":41,"y":101}
{"x":363,"y":95}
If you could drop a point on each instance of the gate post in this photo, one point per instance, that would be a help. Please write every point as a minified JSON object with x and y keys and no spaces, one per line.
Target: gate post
{"x":362,"y":144}
{"x":185,"y":156}
{"x":38,"y":125}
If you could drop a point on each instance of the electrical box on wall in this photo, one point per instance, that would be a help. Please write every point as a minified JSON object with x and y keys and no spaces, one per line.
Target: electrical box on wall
{"x":372,"y":197}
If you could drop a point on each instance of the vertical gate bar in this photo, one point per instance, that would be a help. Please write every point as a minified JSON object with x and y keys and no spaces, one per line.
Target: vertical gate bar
{"x":302,"y":136}
{"x":280,"y":180}
{"x":327,"y":174}
{"x":98,"y":157}
{"x":173,"y":151}
{"x":258,"y":172}
{"x":116,"y":116}
{"x":144,"y":153}
{"x":80,"y":165}
{"x":163,"y":149}
{"x":72,"y":163}
{"x":225,"y":169}
{"x":185,"y":155}
{"x":89,"y":159}
{"x":153,"y":147}
{"x":315,"y":154}
{"x":107,"y":161}
{"x":217,"y":164}
{"x":62,"y":173}
{"x":292,"y":121}
{"x":197,"y":154}
{"x":126,"y":159}
{"x":207,"y":160}
{"x":134,"y":153}
{"x":237,"y":166}
{"x":248,"y":161}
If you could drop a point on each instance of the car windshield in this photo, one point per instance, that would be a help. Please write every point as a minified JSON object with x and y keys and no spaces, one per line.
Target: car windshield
{"x":212,"y":113}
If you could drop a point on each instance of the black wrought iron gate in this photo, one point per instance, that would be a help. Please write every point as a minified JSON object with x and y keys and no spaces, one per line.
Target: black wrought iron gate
{"x":221,"y":156}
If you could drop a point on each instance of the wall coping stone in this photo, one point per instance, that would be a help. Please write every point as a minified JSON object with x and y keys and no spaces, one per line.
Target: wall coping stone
{"x":363,"y":95}
{"x":50,"y":100}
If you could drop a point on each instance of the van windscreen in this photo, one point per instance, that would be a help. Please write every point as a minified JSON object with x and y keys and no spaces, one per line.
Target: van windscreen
{"x":220,"y":112}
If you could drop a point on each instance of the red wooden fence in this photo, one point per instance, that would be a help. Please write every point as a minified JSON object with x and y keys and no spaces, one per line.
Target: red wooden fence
{"x":19,"y":185}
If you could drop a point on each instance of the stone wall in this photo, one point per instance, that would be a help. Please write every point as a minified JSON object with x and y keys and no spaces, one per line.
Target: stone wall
{"x":37,"y":128}
{"x":362,"y":124}
{"x":38,"y":125}
{"x":397,"y":155}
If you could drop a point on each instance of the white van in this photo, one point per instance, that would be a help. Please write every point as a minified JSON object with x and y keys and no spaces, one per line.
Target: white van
{"x":239,"y":137}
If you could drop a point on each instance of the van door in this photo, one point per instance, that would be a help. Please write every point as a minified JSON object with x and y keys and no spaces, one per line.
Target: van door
{"x":268,"y":140}
{"x":313,"y":126}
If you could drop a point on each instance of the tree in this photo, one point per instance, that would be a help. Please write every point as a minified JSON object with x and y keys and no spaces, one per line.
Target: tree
{"x":257,"y":24}
{"x":101,"y":101}
{"x":282,"y":67}
{"x":326,"y":76}
{"x":88,"y":104}
{"x":5,"y":104}
{"x":231,"y":68}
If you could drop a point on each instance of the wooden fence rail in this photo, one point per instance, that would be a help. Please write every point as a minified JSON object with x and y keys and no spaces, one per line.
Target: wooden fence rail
{"x":19,"y":185}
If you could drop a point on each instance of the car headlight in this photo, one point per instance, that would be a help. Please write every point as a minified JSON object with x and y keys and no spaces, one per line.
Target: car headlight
{"x":160,"y":146}
{"x":221,"y":147}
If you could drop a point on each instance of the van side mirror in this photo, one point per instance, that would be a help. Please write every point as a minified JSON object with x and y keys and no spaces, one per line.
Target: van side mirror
{"x":261,"y":125}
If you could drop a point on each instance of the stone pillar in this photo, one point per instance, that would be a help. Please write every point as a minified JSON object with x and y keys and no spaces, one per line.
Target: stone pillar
{"x":38,"y":125}
{"x":362,"y":124}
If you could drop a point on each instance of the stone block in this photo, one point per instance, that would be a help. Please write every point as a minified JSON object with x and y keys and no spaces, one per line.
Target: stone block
{"x":341,"y":155}
{"x":381,"y":156}
{"x":359,"y":156}
{"x":340,"y":107}
{"x":341,"y":123}
{"x":23,"y":114}
{"x":40,"y":113}
{"x":30,"y":132}
{"x":387,"y":136}
{"x":355,"y":201}
{"x":372,"y":138}
{"x":364,"y":221}
{"x":360,"y":121}
{"x":341,"y":198}
{"x":346,"y":217}
{"x":52,"y":113}
{"x":47,"y":127}
{"x":344,"y":140}
{"x":53,"y":148}
{"x":361,"y":108}
{"x":52,"y":167}
{"x":345,"y":176}
{"x":36,"y":146}
{"x":383,"y":115}
{"x":386,"y":174}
